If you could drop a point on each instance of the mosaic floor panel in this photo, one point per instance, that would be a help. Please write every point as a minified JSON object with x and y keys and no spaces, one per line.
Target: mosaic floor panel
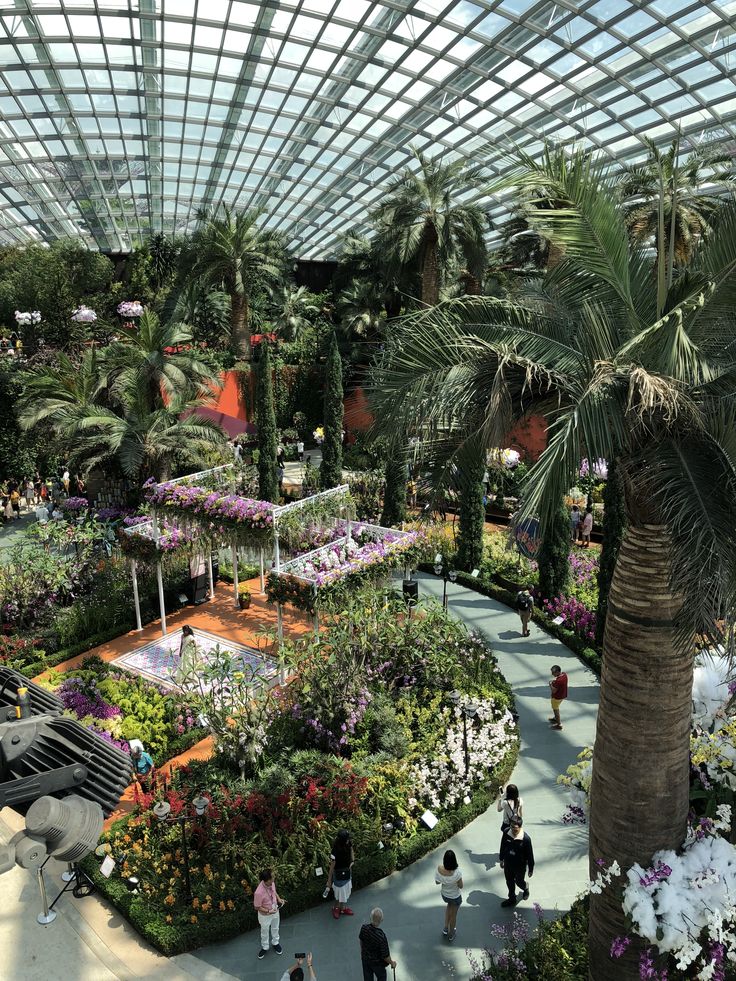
{"x":159,"y":659}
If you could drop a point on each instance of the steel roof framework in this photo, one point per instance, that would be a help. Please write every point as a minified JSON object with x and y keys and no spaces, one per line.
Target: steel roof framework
{"x":122,"y":117}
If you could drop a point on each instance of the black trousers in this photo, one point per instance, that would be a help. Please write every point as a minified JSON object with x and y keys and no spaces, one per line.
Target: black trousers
{"x":515,"y":877}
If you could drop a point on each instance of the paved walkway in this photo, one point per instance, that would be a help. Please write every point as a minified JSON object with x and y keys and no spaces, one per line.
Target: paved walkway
{"x":410,"y":900}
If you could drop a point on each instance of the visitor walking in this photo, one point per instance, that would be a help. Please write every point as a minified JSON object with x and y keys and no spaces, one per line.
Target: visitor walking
{"x":375,"y":956}
{"x":142,"y":764}
{"x":296,"y":971}
{"x":187,"y":664}
{"x":340,"y":875}
{"x":300,"y":450}
{"x":517,"y":860}
{"x":267,"y":903}
{"x":575,"y":522}
{"x":29,"y":493}
{"x":281,"y":472}
{"x":450,"y":878}
{"x":510,"y":805}
{"x":524,"y":607}
{"x":586,"y":528}
{"x":558,"y":692}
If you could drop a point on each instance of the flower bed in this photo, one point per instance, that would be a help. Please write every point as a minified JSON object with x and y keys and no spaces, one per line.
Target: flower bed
{"x":347,"y":744}
{"x":120,"y":706}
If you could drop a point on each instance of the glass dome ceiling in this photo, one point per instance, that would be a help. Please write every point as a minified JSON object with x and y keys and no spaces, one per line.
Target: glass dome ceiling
{"x":123,"y":117}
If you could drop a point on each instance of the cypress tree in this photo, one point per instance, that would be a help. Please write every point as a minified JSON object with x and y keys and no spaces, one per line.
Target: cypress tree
{"x":394,"y":494}
{"x":554,"y":565}
{"x":472,"y":513}
{"x":614,"y":525}
{"x":268,"y":478}
{"x":330,"y":471}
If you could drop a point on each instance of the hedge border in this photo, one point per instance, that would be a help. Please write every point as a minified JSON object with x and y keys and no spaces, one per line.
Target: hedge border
{"x":173,"y":939}
{"x":590,"y":656}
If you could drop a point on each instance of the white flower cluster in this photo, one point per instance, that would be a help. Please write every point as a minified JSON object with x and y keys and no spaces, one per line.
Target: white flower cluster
{"x":692,"y":905}
{"x":711,"y":677}
{"x":603,"y":878}
{"x":577,"y":778}
{"x":28,"y":317}
{"x":441,"y":781}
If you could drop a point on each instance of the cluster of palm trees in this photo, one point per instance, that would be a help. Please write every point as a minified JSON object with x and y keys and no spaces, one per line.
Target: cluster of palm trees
{"x":627,"y":344}
{"x":130,"y":405}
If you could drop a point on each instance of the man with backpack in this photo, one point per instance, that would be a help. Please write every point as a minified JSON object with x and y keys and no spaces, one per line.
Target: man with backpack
{"x":524,"y":607}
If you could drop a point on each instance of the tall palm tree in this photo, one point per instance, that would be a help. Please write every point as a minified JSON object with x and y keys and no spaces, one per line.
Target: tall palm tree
{"x":420,"y":221}
{"x":230,"y":249}
{"x":161,"y":359}
{"x":622,"y":374}
{"x":204,"y":308}
{"x":684,"y":195}
{"x":51,"y":391}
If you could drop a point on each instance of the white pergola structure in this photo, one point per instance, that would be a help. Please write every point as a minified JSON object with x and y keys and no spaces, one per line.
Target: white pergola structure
{"x":304,"y":567}
{"x":223,"y":479}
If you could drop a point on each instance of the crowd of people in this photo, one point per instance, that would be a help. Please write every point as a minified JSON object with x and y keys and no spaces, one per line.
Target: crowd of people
{"x":43,"y":496}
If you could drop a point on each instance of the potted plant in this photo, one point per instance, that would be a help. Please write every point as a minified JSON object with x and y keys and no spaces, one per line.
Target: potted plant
{"x":243,"y":596}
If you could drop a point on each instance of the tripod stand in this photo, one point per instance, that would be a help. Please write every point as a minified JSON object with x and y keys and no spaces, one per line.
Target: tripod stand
{"x":78,"y":881}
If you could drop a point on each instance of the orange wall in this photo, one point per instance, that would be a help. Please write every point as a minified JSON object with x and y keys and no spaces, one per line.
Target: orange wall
{"x":229,"y":400}
{"x":529,"y":437}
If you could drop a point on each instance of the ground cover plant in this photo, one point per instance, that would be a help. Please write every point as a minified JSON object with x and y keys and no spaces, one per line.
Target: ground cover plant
{"x":121,"y":706}
{"x":353,"y":741}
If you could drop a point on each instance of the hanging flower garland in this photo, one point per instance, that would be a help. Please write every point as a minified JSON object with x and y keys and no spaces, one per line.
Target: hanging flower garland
{"x":144,"y":548}
{"x":230,"y":514}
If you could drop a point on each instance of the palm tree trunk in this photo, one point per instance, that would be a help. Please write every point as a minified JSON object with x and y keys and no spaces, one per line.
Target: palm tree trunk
{"x":639,"y":793}
{"x":430,"y":267}
{"x":240,"y":327}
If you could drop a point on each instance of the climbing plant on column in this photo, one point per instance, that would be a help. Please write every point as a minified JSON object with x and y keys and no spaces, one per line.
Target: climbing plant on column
{"x":394,"y":494}
{"x":554,"y":566}
{"x":268,"y":478}
{"x":472,"y":511}
{"x":330,"y":470}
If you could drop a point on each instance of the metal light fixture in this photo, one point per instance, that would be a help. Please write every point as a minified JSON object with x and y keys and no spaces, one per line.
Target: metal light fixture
{"x":438,"y":568}
{"x":453,"y":575}
{"x":200,"y":805}
{"x":162,"y":810}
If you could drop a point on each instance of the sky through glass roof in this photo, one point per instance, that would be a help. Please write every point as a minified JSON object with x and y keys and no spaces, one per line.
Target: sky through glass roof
{"x":123,"y":117}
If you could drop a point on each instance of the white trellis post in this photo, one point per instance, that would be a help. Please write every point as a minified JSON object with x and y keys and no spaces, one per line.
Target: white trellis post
{"x":136,"y":598}
{"x":211,"y":573}
{"x":235,"y":573}
{"x":161,"y":600}
{"x":276,"y":551}
{"x":263,"y":579}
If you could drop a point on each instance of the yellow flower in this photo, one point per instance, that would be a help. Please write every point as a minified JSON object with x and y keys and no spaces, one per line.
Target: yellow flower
{"x":169,"y":900}
{"x":222,"y":906}
{"x":193,"y":919}
{"x":195,"y":902}
{"x":169,"y":919}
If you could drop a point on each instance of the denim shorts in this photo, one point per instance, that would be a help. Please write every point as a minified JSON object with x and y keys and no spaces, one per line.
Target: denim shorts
{"x":453,"y":902}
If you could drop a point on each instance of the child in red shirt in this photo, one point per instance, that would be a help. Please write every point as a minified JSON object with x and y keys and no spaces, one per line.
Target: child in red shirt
{"x":558,"y":692}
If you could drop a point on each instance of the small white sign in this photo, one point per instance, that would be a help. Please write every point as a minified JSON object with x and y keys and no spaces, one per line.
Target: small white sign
{"x":558,"y":620}
{"x":108,"y":864}
{"x":475,"y":573}
{"x":429,"y":819}
{"x":380,"y":846}
{"x":319,"y":871}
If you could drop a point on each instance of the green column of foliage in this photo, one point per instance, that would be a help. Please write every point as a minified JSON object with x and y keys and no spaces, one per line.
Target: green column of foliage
{"x":554,"y":566}
{"x":472,"y":515}
{"x":268,"y":479}
{"x":394,"y":494}
{"x":614,"y":525}
{"x":331,"y":467}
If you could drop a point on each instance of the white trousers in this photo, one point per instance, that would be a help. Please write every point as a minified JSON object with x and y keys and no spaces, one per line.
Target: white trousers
{"x":269,"y":921}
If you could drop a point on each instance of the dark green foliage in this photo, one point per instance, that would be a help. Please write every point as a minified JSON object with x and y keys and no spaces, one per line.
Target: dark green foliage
{"x":268,"y":479}
{"x":554,"y":567}
{"x":394,"y":494}
{"x":330,"y":471}
{"x":614,"y":525}
{"x":472,"y":514}
{"x":20,"y":452}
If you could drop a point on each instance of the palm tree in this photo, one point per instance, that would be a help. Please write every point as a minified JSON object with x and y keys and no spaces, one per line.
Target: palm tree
{"x":161,"y":359}
{"x":294,"y":308}
{"x":204,"y":308}
{"x":683,"y":195}
{"x":230,"y":249}
{"x":129,"y":404}
{"x":360,"y":308}
{"x":419,"y":222}
{"x":623,"y":374}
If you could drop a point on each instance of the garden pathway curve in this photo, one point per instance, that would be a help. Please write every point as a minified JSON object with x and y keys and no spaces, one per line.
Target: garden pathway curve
{"x":410,"y":900}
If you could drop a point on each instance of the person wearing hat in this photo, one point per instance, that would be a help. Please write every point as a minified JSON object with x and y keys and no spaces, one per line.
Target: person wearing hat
{"x":517,"y":860}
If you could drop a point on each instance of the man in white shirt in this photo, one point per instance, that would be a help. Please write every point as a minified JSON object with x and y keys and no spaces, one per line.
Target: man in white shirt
{"x":300,"y":450}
